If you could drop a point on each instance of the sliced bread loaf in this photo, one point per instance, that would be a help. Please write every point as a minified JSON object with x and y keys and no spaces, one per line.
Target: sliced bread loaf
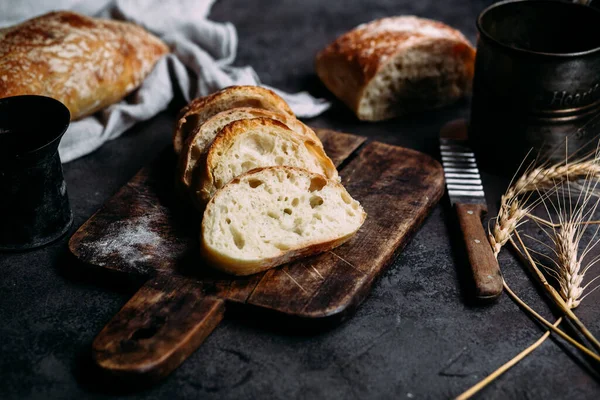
{"x":397,"y":65}
{"x":253,"y":143}
{"x":271,"y":216}
{"x":198,"y":142}
{"x":199,"y":110}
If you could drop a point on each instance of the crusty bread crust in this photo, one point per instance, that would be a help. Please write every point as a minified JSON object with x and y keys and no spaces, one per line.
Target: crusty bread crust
{"x":84,"y":62}
{"x":205,"y":184}
{"x":233,"y":266}
{"x":201,"y":138}
{"x":238,"y":267}
{"x":351,"y":63}
{"x":201,"y":109}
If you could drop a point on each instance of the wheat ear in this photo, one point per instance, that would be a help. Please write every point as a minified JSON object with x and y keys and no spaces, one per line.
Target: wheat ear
{"x":569,"y":273}
{"x":551,"y":327}
{"x":510,"y":214}
{"x":512,"y":209}
{"x":560,"y":302}
{"x":540,"y":177}
{"x":568,"y":269}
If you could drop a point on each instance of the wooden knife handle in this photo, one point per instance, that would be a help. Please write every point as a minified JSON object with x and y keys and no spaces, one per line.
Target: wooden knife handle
{"x":162,"y":324}
{"x":486,"y":272}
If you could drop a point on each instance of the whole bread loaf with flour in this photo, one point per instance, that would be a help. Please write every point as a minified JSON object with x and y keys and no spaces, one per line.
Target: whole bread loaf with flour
{"x":271,"y":216}
{"x":84,"y":62}
{"x":397,"y":65}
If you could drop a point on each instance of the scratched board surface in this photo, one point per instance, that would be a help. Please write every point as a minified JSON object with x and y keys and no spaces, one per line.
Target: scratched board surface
{"x":146,"y":229}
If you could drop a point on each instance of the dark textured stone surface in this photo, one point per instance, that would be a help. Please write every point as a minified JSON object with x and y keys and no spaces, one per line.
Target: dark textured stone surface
{"x":414,"y":337}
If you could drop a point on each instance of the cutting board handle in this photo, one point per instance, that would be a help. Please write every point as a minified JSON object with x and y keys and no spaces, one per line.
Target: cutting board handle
{"x":162,"y":324}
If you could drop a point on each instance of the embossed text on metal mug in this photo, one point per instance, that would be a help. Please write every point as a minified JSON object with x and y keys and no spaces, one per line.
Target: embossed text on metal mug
{"x":537,"y":81}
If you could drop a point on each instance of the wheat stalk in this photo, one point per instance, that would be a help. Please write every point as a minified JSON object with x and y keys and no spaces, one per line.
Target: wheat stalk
{"x":566,"y":236}
{"x":491,"y":377}
{"x":569,"y":268}
{"x":572,"y":223}
{"x":512,"y":207}
{"x":526,"y":256}
{"x":512,"y":211}
{"x":540,"y":177}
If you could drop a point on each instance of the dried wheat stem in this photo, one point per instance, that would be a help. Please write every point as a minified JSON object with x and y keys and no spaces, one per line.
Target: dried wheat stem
{"x":509,"y":364}
{"x":554,"y":294}
{"x":529,"y":260}
{"x":554,"y":329}
{"x":512,"y":210}
{"x":575,"y":320}
{"x":494,"y":375}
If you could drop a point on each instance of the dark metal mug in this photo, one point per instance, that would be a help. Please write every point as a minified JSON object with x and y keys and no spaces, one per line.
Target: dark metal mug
{"x":537,"y":82}
{"x":34,"y":206}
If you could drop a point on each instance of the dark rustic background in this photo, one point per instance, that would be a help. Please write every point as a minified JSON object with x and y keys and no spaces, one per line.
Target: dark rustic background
{"x":415,"y":337}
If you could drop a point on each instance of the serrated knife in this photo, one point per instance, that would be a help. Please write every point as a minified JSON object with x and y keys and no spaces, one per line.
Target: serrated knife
{"x":467,"y":197}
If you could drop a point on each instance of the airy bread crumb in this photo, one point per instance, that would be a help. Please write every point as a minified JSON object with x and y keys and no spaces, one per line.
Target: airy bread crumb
{"x":199,"y":141}
{"x":253,"y":143}
{"x":270,"y":216}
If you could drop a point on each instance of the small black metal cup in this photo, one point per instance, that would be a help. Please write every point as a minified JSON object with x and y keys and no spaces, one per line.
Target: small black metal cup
{"x":34,"y":206}
{"x":537,"y":82}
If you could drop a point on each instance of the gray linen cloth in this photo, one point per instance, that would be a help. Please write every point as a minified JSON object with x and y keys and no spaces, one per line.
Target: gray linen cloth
{"x":202,"y":54}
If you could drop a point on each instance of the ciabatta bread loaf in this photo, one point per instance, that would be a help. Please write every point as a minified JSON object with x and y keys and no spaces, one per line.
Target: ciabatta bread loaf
{"x":86,"y":63}
{"x":253,"y":143}
{"x":397,"y":65}
{"x":271,"y":216}
{"x":192,"y":116}
{"x":197,"y":144}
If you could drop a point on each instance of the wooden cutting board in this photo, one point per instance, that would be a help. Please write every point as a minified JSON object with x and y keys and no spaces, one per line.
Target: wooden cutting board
{"x":145,"y":229}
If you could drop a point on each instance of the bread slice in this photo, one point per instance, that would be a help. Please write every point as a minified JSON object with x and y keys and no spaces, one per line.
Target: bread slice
{"x":199,"y":110}
{"x":199,"y":141}
{"x":397,"y":65}
{"x":253,"y":143}
{"x":271,"y":216}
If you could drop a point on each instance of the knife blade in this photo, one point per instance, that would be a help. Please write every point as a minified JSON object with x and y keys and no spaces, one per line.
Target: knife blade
{"x":465,"y":190}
